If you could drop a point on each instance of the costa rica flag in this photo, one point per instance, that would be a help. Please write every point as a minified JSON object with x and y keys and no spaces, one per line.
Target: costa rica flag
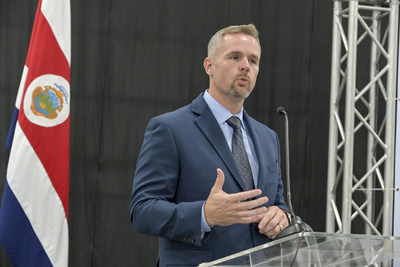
{"x":34,"y":208}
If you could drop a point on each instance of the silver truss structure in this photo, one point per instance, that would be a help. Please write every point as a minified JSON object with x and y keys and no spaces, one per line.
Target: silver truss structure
{"x":362,"y":117}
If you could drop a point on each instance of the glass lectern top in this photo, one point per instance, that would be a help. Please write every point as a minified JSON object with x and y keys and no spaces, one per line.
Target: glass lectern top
{"x":317,"y":249}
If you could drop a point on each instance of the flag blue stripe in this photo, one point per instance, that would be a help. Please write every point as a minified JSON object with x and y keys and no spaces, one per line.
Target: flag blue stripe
{"x":17,"y":235}
{"x":10,"y":135}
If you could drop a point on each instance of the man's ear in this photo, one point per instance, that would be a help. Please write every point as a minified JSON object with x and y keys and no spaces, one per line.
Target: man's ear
{"x":208,"y":66}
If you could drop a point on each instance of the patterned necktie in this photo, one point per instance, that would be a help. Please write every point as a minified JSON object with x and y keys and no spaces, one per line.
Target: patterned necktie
{"x":239,"y":153}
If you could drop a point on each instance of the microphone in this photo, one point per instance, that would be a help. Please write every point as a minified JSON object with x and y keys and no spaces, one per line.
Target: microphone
{"x":297,"y":225}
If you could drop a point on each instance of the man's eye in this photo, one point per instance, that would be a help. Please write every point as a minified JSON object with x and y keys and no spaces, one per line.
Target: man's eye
{"x":235,"y":57}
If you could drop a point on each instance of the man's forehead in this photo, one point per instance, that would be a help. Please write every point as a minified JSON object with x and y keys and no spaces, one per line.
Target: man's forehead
{"x":239,"y":35}
{"x":235,"y":38}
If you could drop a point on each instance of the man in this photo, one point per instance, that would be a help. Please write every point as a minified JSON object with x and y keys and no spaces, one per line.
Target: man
{"x":193,"y":187}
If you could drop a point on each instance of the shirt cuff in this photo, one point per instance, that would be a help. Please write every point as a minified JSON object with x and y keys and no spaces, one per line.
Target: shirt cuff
{"x":204,"y":226}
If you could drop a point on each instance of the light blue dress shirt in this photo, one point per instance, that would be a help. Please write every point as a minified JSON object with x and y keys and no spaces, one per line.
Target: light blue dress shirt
{"x":221,"y":114}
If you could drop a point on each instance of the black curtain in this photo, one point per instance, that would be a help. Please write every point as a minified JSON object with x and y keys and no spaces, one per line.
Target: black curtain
{"x":132,"y":60}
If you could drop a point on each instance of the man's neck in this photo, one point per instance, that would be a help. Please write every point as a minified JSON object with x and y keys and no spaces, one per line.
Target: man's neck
{"x":233,"y":104}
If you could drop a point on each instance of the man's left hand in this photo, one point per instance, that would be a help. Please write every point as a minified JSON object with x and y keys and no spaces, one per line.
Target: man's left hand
{"x":274,"y":221}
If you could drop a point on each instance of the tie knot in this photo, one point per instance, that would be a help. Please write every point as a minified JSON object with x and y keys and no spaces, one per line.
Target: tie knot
{"x":234,"y":122}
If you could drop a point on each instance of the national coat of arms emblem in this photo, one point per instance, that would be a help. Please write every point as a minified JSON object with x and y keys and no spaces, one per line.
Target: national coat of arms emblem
{"x":46,"y":101}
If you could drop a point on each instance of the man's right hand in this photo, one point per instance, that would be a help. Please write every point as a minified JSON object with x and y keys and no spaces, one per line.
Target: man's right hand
{"x":226,"y":209}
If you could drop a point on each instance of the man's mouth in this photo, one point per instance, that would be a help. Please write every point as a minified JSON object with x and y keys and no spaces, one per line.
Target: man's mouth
{"x":243,"y":80}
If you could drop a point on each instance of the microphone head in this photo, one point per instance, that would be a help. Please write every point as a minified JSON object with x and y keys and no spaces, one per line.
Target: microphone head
{"x":280,"y":111}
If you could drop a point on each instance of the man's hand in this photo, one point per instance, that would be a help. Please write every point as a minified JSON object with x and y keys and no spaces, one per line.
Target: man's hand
{"x":274,"y":221}
{"x":226,"y":209}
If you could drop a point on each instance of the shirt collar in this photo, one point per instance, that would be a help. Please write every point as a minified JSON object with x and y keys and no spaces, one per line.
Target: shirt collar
{"x":220,"y":113}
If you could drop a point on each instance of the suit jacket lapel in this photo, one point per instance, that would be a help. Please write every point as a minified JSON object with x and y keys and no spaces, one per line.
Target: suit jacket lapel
{"x":209,"y":126}
{"x":255,"y":135}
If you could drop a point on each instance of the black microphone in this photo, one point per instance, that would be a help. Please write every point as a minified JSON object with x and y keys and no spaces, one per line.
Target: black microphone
{"x":297,"y":225}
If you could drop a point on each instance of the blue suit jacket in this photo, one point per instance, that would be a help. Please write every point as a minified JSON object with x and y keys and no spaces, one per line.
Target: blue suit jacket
{"x":175,"y":172}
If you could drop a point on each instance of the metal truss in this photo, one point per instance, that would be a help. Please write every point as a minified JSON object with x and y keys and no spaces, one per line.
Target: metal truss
{"x":362,"y":117}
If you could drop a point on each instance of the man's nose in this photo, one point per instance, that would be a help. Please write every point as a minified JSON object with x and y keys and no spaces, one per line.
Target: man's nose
{"x":245,"y":64}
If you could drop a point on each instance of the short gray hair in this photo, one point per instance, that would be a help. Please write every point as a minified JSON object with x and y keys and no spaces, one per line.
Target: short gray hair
{"x":249,"y":29}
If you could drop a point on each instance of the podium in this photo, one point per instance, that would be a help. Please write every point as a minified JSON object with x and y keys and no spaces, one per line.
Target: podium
{"x":317,"y":249}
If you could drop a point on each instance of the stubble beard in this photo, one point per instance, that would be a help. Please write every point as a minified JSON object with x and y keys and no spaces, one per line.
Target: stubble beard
{"x":240,"y":92}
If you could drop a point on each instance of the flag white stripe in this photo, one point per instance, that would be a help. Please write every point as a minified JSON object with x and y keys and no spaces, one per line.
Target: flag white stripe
{"x":26,"y":176}
{"x":21,"y":87}
{"x":58,"y":15}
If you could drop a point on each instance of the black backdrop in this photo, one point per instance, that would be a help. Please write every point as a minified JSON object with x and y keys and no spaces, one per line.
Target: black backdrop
{"x":132,"y":60}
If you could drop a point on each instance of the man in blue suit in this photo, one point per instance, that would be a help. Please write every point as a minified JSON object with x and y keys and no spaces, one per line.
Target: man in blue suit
{"x":189,"y":188}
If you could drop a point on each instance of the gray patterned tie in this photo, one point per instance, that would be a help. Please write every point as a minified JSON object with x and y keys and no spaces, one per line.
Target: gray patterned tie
{"x":239,"y":153}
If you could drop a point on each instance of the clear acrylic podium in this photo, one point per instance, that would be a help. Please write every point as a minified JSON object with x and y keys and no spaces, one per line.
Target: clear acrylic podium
{"x":318,"y":249}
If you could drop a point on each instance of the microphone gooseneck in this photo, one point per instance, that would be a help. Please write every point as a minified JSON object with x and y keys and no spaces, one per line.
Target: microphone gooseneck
{"x":282,"y":111}
{"x":297,"y":224}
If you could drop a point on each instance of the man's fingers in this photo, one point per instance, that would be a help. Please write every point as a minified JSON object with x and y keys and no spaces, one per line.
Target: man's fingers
{"x":226,"y":209}
{"x":242,"y":196}
{"x":251,"y":213}
{"x":237,"y":197}
{"x":274,"y":221}
{"x":251,"y":204}
{"x":219,"y":182}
